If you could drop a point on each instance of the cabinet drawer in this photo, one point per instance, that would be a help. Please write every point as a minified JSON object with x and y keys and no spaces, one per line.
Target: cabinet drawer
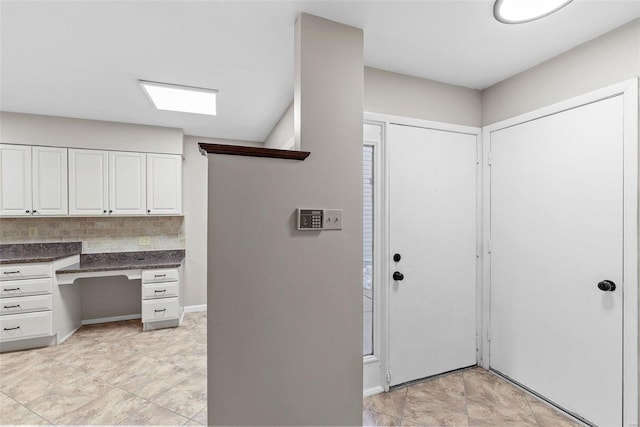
{"x":160,"y":290}
{"x":25,"y":304}
{"x":159,"y":309}
{"x":156,"y":276}
{"x":19,"y":326}
{"x":24,"y":271}
{"x":18,"y":288}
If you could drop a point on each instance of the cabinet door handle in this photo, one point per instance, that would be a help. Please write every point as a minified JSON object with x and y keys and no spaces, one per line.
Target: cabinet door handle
{"x":159,"y":275}
{"x":10,"y":289}
{"x":12,"y":306}
{"x":28,"y":211}
{"x":160,"y":311}
{"x":11,"y":329}
{"x":157,"y":291}
{"x":11,"y":272}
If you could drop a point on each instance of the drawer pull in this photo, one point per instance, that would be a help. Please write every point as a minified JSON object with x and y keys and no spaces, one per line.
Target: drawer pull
{"x":158,"y":291}
{"x":12,"y":306}
{"x":10,"y":289}
{"x":159,"y":275}
{"x":160,"y":311}
{"x":11,"y":329}
{"x":11,"y":272}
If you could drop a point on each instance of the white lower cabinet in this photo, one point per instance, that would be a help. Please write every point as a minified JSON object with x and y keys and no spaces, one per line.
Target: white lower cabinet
{"x":29,"y":325}
{"x":25,"y":301}
{"x":159,"y":309}
{"x":161,"y":298}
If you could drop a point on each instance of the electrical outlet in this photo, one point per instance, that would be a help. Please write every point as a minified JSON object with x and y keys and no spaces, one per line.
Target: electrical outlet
{"x":145,"y":241}
{"x":33,"y":231}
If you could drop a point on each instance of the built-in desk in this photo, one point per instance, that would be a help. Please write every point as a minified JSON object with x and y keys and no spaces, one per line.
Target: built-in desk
{"x":130,"y":264}
{"x":40,"y":304}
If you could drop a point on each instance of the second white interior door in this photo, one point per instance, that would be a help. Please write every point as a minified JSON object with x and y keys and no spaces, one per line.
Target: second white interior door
{"x":432,"y":191}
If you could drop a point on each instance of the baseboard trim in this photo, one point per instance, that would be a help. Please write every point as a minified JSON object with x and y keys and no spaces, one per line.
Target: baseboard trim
{"x":372,"y":391}
{"x":110,"y":319}
{"x":195,"y":308}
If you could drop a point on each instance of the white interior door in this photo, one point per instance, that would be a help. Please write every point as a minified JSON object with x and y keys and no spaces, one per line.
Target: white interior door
{"x":556,"y":232}
{"x":432,"y":194}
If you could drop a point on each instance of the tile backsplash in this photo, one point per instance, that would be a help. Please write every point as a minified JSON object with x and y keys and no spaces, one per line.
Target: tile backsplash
{"x":104,"y":234}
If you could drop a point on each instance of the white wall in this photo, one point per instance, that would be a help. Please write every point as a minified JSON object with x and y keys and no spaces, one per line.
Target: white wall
{"x":285,"y":306}
{"x":282,"y":133}
{"x":608,"y":59}
{"x":32,"y":129}
{"x":408,"y":96}
{"x":195,"y":206}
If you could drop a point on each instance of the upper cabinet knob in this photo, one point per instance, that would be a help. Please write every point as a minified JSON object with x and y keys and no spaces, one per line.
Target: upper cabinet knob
{"x":397,"y":257}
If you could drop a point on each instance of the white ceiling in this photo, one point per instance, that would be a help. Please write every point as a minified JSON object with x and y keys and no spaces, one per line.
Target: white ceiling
{"x":83,"y":59}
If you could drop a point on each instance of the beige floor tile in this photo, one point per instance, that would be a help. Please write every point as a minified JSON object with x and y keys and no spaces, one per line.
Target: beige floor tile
{"x":391,"y":403}
{"x":13,"y":413}
{"x":547,"y":416}
{"x":187,"y":398}
{"x":439,"y":419}
{"x":443,"y":394}
{"x":60,"y":401}
{"x":193,"y":423}
{"x":201,"y":417}
{"x":372,"y":418}
{"x":440,"y":410}
{"x":152,"y":414}
{"x":107,"y":409}
{"x":161,"y":377}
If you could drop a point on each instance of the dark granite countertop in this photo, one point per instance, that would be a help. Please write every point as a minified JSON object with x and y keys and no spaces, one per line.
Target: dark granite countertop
{"x":21,"y":253}
{"x":126,"y":261}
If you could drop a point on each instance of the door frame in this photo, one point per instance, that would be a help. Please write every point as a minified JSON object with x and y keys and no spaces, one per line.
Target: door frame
{"x":629,"y":91}
{"x":382,"y":254}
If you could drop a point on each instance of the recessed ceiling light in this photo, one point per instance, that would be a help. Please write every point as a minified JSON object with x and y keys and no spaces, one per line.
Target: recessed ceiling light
{"x":519,"y":11}
{"x":186,"y":99}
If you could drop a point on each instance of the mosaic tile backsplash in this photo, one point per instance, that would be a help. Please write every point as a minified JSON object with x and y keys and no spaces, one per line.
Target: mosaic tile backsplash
{"x":110,"y":234}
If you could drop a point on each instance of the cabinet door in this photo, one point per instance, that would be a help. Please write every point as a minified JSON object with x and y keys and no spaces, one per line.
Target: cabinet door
{"x":88,"y":182}
{"x":164,"y":184}
{"x":127,"y":183}
{"x":15,"y":180}
{"x":50,"y":181}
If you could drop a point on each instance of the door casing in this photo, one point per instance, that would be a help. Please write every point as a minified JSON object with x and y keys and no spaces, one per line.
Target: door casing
{"x":381,"y":229}
{"x":629,"y":91}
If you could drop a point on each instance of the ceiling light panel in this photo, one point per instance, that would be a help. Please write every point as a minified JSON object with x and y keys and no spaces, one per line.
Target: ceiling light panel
{"x":185,"y":99}
{"x":519,"y":11}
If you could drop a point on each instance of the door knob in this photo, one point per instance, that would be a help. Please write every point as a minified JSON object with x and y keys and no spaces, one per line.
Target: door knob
{"x":398,"y":276}
{"x":607,"y":285}
{"x":397,"y":257}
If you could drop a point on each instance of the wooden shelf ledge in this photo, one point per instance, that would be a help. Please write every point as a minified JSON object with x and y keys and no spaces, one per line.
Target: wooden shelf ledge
{"x":240,"y":150}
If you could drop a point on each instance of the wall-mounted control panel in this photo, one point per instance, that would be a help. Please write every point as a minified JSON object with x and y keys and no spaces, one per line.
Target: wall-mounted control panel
{"x":319,"y":219}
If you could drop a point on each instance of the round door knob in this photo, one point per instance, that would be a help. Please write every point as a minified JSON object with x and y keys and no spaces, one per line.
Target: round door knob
{"x":28,"y":211}
{"x":607,"y":286}
{"x":397,"y":257}
{"x":398,"y":276}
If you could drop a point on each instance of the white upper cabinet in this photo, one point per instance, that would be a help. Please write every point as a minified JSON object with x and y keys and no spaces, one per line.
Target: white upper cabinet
{"x":88,"y":182}
{"x":15,"y":180}
{"x":127,"y":183}
{"x":164,"y":184}
{"x":107,"y":182}
{"x":50,"y":181}
{"x":33,"y":180}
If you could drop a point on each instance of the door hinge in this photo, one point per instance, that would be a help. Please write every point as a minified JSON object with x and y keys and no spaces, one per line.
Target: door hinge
{"x":489,"y":246}
{"x":389,"y":377}
{"x":488,"y":334}
{"x":477,"y":154}
{"x":477,"y":342}
{"x":490,"y":161}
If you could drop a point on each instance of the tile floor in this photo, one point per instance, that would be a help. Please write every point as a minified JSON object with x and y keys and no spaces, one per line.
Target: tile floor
{"x":110,"y":374}
{"x":474,"y":397}
{"x":113,"y":374}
